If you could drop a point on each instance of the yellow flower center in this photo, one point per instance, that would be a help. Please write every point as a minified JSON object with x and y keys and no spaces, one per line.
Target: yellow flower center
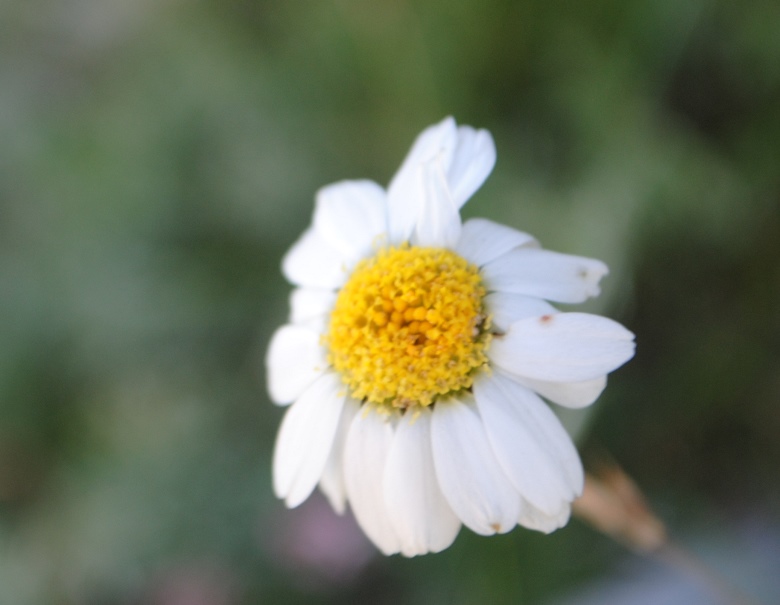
{"x":409,"y":326}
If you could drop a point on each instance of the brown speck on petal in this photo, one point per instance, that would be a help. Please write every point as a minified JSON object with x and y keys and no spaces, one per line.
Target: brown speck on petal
{"x":545,"y":319}
{"x":496,"y":527}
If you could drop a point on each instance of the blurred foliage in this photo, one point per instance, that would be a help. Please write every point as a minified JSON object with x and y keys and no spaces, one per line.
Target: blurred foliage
{"x":158,"y":158}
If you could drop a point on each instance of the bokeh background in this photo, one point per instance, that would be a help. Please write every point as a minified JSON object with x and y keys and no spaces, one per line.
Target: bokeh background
{"x":157,"y":158}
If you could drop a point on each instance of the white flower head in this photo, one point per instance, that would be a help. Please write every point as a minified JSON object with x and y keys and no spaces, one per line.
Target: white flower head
{"x":418,"y":351}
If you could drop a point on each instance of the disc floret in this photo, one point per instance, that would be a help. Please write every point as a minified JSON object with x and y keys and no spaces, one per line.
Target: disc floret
{"x":409,"y":326}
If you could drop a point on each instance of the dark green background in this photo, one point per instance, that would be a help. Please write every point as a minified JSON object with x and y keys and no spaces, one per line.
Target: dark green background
{"x":158,"y":158}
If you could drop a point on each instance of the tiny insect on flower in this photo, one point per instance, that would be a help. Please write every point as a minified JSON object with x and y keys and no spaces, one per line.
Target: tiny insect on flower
{"x":418,"y":351}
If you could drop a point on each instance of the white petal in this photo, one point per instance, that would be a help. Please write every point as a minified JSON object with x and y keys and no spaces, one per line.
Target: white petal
{"x":566,"y":347}
{"x":482,"y":240}
{"x":294,"y":360}
{"x":305,"y":439}
{"x":568,"y":394}
{"x":420,"y":516}
{"x":438,"y":225}
{"x":308,"y":304}
{"x":532,"y":518}
{"x":545,"y":274}
{"x":365,"y":455}
{"x":548,"y":429}
{"x":529,"y":442}
{"x":332,"y":480}
{"x":469,"y":475}
{"x":314,"y":263}
{"x":405,"y":192}
{"x":505,"y":309}
{"x":472,"y":162}
{"x":351,"y":216}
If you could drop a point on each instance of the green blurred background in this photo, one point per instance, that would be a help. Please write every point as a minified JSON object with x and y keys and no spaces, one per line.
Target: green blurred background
{"x":158,"y":158}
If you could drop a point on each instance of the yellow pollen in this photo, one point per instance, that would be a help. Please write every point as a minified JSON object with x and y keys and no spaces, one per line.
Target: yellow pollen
{"x":409,"y":326}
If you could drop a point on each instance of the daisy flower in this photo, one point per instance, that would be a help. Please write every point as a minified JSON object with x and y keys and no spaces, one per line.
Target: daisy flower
{"x":419,"y":351}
